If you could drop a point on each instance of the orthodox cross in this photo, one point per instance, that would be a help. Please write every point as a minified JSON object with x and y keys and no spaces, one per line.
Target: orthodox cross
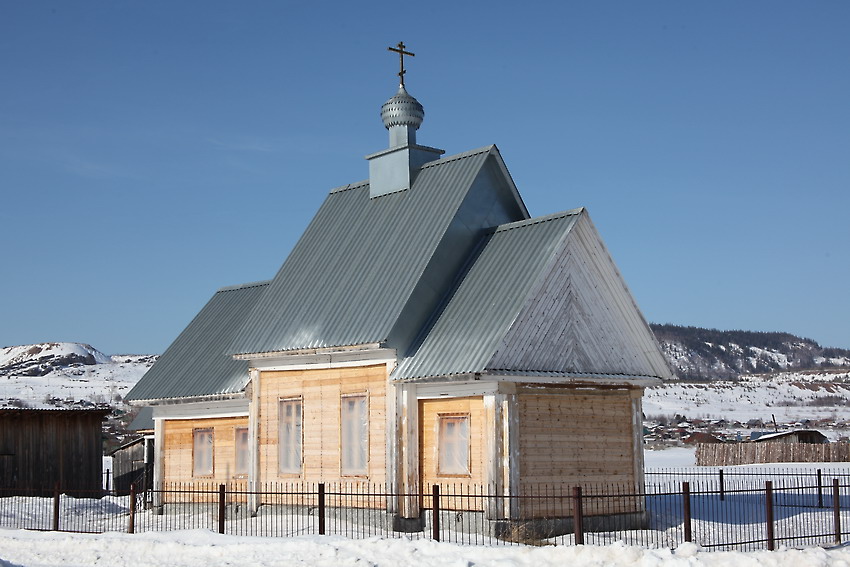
{"x":401,"y":53}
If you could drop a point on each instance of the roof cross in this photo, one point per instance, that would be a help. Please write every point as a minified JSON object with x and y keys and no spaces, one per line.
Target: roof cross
{"x":401,"y":53}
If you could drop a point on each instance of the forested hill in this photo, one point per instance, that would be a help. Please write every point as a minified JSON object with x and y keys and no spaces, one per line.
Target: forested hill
{"x":709,"y":354}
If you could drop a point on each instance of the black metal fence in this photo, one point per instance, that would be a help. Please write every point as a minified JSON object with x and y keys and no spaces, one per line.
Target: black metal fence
{"x":737,"y":513}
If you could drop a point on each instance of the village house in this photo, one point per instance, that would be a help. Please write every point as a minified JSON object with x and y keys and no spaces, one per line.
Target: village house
{"x":425,"y":329}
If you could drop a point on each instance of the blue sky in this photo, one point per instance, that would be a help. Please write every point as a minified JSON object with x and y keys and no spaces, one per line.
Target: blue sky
{"x":152,"y":152}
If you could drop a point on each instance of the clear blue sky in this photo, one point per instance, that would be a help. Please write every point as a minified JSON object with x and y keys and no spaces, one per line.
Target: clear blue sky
{"x":154,"y":151}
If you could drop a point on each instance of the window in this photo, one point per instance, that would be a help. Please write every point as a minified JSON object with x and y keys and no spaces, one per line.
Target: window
{"x":202,"y":452}
{"x":354,"y":434}
{"x":453,"y":445}
{"x":242,"y":451}
{"x":289,"y":436}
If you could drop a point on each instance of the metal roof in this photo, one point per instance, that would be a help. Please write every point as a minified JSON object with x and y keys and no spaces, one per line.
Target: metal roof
{"x":365,"y":264}
{"x":487,"y":300}
{"x":196,"y":363}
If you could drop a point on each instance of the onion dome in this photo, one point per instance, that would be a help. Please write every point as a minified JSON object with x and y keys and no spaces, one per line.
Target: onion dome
{"x":402,"y":110}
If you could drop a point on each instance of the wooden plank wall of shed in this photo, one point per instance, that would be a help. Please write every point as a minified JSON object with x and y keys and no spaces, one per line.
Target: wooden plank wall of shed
{"x":40,"y":449}
{"x":575,"y":437}
{"x":320,"y":391}
{"x":178,"y":449}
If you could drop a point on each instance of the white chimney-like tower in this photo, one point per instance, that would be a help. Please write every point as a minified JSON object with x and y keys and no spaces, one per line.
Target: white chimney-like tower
{"x":395,"y":168}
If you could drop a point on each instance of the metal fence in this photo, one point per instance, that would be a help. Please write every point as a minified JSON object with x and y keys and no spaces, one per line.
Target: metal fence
{"x":739,"y":513}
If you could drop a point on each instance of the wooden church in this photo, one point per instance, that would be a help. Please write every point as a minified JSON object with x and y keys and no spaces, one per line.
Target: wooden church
{"x":425,"y":329}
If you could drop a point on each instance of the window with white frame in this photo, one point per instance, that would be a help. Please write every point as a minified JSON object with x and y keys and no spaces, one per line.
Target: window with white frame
{"x":242,"y":450}
{"x":202,"y":452}
{"x":354,"y":434}
{"x":289,"y":436}
{"x":453,"y":445}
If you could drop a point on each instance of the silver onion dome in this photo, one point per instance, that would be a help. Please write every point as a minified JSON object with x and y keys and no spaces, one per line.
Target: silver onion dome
{"x":402,"y":110}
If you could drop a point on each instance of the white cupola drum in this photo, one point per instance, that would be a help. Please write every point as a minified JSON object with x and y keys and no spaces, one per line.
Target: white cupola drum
{"x":395,"y":168}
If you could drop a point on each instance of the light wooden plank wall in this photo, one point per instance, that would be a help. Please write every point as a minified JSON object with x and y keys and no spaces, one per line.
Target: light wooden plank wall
{"x":177,"y":453}
{"x":320,"y":391}
{"x":571,"y":437}
{"x":429,"y":412}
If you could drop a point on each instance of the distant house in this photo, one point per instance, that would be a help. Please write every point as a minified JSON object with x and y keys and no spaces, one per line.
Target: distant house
{"x":701,"y":437}
{"x":800,"y":436}
{"x":43,"y":448}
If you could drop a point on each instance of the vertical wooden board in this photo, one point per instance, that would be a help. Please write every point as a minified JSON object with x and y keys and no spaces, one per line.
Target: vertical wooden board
{"x":320,"y":391}
{"x":575,"y":438}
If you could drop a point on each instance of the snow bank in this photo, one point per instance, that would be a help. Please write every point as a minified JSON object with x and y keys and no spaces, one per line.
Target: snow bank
{"x":202,"y":549}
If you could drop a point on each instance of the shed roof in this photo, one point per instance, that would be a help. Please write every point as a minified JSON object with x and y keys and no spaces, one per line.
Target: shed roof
{"x":196,"y":364}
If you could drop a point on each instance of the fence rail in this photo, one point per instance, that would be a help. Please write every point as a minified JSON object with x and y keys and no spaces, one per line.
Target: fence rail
{"x":740,"y":514}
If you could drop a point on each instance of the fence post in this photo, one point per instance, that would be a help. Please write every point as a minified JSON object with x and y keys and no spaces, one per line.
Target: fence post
{"x":722,"y":487}
{"x":578,"y":516}
{"x":131,"y":521}
{"x":435,"y":515}
{"x":820,"y":489}
{"x":686,"y":509}
{"x":221,"y":504}
{"x":836,"y":509}
{"x":56,"y":507}
{"x":107,"y":480}
{"x":768,"y":498}
{"x":321,"y":508}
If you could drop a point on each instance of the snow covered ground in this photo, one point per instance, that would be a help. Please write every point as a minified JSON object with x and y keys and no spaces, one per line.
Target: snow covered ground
{"x":198,"y":548}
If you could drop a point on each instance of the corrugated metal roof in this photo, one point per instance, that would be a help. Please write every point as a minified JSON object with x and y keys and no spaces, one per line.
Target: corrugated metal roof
{"x":196,"y":363}
{"x":356,"y":267}
{"x":488,"y":298}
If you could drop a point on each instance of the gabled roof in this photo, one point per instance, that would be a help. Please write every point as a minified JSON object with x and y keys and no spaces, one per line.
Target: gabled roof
{"x":371,"y":270}
{"x":196,"y":364}
{"x":542,"y":298}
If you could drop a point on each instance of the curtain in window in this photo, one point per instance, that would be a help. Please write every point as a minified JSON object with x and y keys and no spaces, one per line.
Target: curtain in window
{"x":202,"y":452}
{"x":241,"y":450}
{"x":354,"y":435}
{"x":453,"y":457}
{"x":289,"y":442}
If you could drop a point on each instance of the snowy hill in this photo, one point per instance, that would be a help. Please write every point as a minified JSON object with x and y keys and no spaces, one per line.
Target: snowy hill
{"x":66,"y":374}
{"x":709,"y":354}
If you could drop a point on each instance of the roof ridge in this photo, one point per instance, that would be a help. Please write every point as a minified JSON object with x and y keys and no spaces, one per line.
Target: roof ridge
{"x":462,"y":155}
{"x":349,"y":186}
{"x":243,"y":286}
{"x":538,"y":220}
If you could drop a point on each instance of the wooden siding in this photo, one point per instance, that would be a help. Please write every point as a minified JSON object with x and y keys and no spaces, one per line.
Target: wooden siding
{"x":572,"y":437}
{"x":320,"y":391}
{"x":177,"y":451}
{"x":730,"y":454}
{"x":40,"y":448}
{"x":581,"y":318}
{"x":429,"y":413}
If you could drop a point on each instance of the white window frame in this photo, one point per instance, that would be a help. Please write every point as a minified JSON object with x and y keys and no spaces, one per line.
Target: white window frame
{"x":242,"y":451}
{"x":454,"y":459}
{"x":203,"y":452}
{"x":290,"y":436}
{"x":354,"y":434}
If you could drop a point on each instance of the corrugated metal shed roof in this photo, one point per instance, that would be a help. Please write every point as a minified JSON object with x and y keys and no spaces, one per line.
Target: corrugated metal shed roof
{"x":488,"y":298}
{"x":196,"y":363}
{"x":355,"y":268}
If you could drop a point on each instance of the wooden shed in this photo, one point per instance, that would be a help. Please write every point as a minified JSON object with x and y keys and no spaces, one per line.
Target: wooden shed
{"x":799,"y":436}
{"x":40,"y":448}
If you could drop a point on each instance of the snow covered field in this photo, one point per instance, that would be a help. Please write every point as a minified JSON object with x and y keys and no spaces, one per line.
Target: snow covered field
{"x":197,"y":548}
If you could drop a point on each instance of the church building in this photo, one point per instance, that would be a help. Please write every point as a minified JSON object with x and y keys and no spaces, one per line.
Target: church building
{"x":425,"y":329}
